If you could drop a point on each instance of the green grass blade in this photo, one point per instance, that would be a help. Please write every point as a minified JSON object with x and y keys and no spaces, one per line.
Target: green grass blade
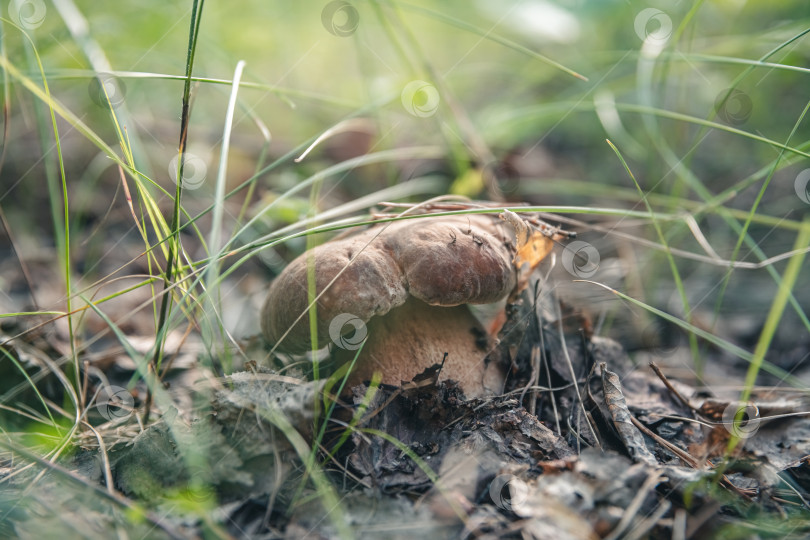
{"x":212,"y":272}
{"x":777,"y":309}
{"x":727,"y":346}
{"x":174,"y":242}
{"x":743,"y":233}
{"x":672,"y":266}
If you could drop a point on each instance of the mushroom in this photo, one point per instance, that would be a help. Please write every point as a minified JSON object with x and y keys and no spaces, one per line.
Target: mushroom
{"x":408,"y":284}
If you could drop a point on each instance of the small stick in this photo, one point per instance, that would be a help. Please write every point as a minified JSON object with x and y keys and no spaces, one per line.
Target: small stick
{"x":685,"y":457}
{"x":653,"y":478}
{"x":671,"y":388}
{"x":534,"y":379}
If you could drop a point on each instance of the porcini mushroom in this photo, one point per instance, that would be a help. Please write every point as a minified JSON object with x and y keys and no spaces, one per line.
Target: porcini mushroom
{"x":410,"y":282}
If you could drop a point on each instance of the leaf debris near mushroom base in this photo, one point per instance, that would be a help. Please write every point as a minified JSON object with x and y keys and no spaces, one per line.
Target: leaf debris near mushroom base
{"x":498,"y":469}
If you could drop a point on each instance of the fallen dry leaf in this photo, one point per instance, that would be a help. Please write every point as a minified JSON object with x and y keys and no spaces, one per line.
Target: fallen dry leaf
{"x":532,"y":245}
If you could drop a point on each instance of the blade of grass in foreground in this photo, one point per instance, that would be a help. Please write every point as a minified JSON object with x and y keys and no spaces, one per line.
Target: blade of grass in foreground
{"x":62,"y":229}
{"x":90,"y":135}
{"x":185,"y":448}
{"x":212,"y":272}
{"x":283,"y":93}
{"x":532,"y":113}
{"x":325,"y":490}
{"x":679,"y":164}
{"x":136,"y":510}
{"x":31,"y":383}
{"x":79,"y":28}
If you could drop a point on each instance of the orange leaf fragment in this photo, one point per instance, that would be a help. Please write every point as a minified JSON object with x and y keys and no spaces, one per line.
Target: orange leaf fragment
{"x":534,"y":250}
{"x":532,"y":245}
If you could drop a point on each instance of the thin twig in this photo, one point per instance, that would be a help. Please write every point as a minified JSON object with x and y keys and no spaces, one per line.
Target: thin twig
{"x":647,"y":524}
{"x":105,"y":460}
{"x":652,"y":480}
{"x":685,"y":457}
{"x":573,"y":375}
{"x":671,"y":388}
{"x":534,"y":378}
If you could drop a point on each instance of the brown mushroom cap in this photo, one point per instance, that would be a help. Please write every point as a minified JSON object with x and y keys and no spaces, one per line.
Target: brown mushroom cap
{"x":443,"y":261}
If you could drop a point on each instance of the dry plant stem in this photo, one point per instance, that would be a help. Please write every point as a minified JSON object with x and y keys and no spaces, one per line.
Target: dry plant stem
{"x":105,"y":460}
{"x":534,"y":379}
{"x":588,"y":384}
{"x":172,"y":358}
{"x":687,"y":419}
{"x":564,"y":347}
{"x":699,"y":236}
{"x":652,"y":480}
{"x":345,"y":470}
{"x":576,"y":433}
{"x":135,"y":219}
{"x":552,"y":397}
{"x":795,"y":491}
{"x":675,"y":251}
{"x":684,"y":456}
{"x":352,"y":124}
{"x":85,"y":380}
{"x":545,"y":228}
{"x":679,"y":525}
{"x":671,"y":388}
{"x":642,"y":528}
{"x":544,"y":357}
{"x":174,"y":246}
{"x":784,"y":501}
{"x":445,"y":206}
